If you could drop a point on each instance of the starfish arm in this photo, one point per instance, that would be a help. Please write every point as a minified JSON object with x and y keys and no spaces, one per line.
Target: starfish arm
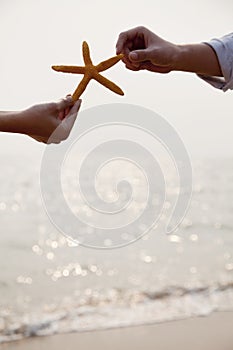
{"x":109,"y":63}
{"x":81,"y":87}
{"x":86,"y":54}
{"x":108,"y":84}
{"x":69,"y":69}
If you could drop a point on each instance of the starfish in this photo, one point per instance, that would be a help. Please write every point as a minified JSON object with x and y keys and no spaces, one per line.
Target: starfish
{"x":91,"y":71}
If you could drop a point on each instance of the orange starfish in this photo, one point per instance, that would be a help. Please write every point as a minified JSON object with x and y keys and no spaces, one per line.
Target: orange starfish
{"x":91,"y":72}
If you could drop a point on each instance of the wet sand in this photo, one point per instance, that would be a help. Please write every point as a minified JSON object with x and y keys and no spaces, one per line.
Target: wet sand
{"x":202,"y":333}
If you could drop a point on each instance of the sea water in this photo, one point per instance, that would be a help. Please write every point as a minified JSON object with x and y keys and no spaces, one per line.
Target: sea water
{"x":50,"y":285}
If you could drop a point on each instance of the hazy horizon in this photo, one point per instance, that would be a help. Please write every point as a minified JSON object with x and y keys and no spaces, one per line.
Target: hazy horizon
{"x":35,"y":35}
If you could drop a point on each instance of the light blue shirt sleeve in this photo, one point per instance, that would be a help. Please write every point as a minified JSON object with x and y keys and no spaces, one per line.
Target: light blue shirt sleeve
{"x":224,"y":51}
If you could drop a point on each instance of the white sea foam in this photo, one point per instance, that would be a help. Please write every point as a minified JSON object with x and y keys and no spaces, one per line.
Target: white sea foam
{"x":125,"y":308}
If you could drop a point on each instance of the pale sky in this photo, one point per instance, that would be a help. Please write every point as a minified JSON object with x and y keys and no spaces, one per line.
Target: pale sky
{"x":37,"y":34}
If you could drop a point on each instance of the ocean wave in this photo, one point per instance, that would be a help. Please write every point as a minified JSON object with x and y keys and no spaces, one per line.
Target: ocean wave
{"x":118,"y":308}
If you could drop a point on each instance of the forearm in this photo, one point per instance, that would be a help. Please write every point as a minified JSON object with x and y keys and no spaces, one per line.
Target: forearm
{"x":197,"y":58}
{"x":21,"y":122}
{"x":11,"y":122}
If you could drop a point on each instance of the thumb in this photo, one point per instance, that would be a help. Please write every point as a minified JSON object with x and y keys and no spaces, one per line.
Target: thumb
{"x":139,"y":55}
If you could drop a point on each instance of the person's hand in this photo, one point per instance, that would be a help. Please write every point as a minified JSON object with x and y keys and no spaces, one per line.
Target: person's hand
{"x":40,"y":121}
{"x":145,"y":50}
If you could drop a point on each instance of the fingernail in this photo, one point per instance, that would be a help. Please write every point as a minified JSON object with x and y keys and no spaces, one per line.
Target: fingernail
{"x":133,"y":55}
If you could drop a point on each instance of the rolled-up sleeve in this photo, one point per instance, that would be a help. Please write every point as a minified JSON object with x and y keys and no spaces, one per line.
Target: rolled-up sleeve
{"x":224,"y":51}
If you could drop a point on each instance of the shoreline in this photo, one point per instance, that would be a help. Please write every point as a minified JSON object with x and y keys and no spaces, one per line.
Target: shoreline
{"x":213,"y":332}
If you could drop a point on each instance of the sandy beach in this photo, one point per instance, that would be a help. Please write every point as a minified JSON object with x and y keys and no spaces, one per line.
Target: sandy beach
{"x":201,"y":333}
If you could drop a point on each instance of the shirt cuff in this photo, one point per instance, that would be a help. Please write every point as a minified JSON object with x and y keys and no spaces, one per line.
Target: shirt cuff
{"x":224,"y":51}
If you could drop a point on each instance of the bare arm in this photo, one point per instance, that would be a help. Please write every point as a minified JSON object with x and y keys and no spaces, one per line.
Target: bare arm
{"x":40,"y":121}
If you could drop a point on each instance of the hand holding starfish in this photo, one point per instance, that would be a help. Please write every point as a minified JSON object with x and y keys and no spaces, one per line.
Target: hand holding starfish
{"x":91,"y":71}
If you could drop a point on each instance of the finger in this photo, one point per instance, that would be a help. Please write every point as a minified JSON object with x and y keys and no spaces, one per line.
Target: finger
{"x":128,"y":63}
{"x":126,"y":59}
{"x":67,"y":111}
{"x":132,"y":67}
{"x":61,"y":115}
{"x":122,"y":39}
{"x":126,"y":52}
{"x":139,"y":55}
{"x":74,"y":110}
{"x":154,"y":68}
{"x":68,"y":122}
{"x":127,"y":36}
{"x":64,"y":103}
{"x":65,"y":125}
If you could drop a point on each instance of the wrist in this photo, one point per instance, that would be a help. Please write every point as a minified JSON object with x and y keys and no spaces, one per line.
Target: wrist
{"x":197,"y":58}
{"x":182,"y":58}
